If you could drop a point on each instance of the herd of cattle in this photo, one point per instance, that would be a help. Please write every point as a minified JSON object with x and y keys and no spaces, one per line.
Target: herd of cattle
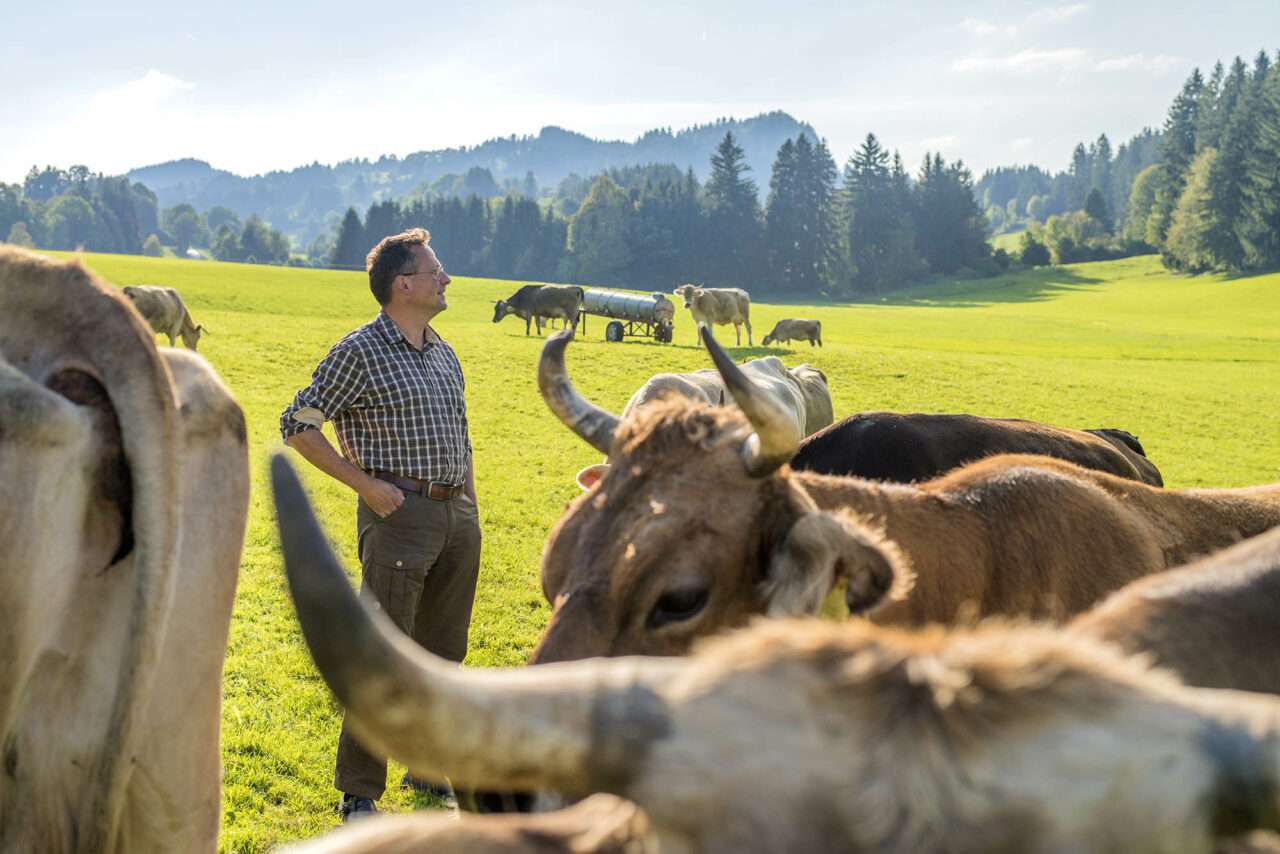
{"x":1058,"y":653}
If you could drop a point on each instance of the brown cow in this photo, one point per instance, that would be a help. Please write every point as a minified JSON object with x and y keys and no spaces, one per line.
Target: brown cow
{"x":718,"y":305}
{"x":166,"y":313}
{"x":1216,"y":622}
{"x":810,"y":736}
{"x":699,"y":525}
{"x":795,"y":327}
{"x":126,"y":489}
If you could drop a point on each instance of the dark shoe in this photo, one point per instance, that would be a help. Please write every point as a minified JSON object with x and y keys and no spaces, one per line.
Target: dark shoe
{"x":352,"y":808}
{"x":441,"y":789}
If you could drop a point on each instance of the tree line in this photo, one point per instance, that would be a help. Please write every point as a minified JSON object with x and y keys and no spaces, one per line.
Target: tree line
{"x":1213,"y":201}
{"x":654,"y":227}
{"x":78,"y":209}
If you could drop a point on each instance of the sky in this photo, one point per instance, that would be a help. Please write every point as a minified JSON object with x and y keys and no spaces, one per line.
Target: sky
{"x":257,"y":86}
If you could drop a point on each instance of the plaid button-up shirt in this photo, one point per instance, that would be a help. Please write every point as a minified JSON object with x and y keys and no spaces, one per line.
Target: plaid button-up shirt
{"x":393,"y":408}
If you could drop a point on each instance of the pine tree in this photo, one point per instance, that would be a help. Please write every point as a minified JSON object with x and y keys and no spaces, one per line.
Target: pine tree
{"x":600,"y":234}
{"x":782,"y":218}
{"x":1258,"y":226}
{"x":734,"y":221}
{"x":1176,"y":151}
{"x":349,"y":249}
{"x":1095,"y":206}
{"x":1195,"y":224}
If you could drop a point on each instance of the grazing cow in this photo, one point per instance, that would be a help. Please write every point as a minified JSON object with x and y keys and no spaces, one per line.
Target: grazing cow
{"x":785,"y":330}
{"x":718,"y":305}
{"x":807,"y":735}
{"x":126,"y":493}
{"x":906,"y":447}
{"x":699,"y":525}
{"x":164,"y":309}
{"x":802,"y":390}
{"x":1216,"y":622}
{"x":535,"y":302}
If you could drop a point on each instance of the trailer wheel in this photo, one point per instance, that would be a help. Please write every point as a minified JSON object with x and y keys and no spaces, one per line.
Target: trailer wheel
{"x":614,"y":331}
{"x":663,"y":334}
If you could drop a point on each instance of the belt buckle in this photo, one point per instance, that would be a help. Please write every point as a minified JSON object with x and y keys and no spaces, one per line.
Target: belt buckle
{"x":446,"y":490}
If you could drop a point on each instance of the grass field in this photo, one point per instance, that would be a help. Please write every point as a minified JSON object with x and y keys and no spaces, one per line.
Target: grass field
{"x":1191,"y":365}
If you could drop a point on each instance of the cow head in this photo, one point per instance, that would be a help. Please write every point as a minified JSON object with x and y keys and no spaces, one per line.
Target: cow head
{"x":696,"y":526}
{"x":501,"y":308}
{"x":88,"y":458}
{"x":686,"y":293}
{"x":768,"y":339}
{"x":191,"y":335}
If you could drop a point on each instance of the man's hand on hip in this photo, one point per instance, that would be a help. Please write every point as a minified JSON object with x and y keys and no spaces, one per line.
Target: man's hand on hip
{"x":382,"y":497}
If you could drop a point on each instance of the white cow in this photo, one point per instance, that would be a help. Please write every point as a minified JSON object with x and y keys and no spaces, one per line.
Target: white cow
{"x":718,"y":305}
{"x":125,"y":495}
{"x":802,"y":389}
{"x":164,"y":309}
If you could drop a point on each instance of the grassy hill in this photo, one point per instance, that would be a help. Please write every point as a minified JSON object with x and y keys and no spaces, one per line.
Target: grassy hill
{"x":1191,"y":365}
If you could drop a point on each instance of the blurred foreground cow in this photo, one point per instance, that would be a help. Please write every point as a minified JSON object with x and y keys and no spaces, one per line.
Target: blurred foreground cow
{"x":801,"y":390}
{"x":125,"y":490}
{"x":718,"y":306}
{"x":164,"y":310}
{"x":784,"y":330}
{"x":802,"y":736}
{"x":699,"y":525}
{"x":536,"y":302}
{"x":1216,"y":622}
{"x":906,"y":447}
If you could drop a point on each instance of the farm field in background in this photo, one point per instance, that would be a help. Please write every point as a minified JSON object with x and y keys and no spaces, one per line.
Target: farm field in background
{"x":1190,"y":365}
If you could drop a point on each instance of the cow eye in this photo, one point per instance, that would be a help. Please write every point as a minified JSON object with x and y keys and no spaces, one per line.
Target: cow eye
{"x":676,"y":605}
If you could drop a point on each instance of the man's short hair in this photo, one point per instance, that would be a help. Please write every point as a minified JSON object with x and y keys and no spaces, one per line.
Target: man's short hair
{"x":391,"y":257}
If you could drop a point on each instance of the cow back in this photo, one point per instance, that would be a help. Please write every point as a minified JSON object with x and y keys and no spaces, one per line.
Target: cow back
{"x":907,"y":447}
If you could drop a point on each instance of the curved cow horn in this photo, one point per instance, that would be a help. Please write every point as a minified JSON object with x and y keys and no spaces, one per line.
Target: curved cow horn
{"x":578,"y":727}
{"x":777,"y":435}
{"x":580,"y":415}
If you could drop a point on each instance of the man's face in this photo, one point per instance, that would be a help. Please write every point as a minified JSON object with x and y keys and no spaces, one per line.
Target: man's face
{"x":428,"y":281}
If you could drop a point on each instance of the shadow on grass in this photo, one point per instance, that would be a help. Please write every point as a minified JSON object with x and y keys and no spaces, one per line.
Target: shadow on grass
{"x":1030,"y":286}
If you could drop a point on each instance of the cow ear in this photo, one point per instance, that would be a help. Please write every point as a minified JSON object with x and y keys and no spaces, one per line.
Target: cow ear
{"x":822,"y":550}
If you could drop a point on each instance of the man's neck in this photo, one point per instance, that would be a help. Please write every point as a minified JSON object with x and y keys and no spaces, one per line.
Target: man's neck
{"x":415,"y":326}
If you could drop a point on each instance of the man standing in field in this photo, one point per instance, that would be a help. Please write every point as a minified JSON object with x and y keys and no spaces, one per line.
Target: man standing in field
{"x":394,"y":391}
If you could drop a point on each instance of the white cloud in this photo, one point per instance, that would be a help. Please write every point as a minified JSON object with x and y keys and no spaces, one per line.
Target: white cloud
{"x":979,"y":27}
{"x":1022,"y":143}
{"x":938,"y":143}
{"x":143,"y":93}
{"x":1027,"y":61}
{"x":1157,"y":64}
{"x":1054,"y":14}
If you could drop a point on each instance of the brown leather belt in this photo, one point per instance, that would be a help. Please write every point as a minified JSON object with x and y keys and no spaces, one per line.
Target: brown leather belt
{"x":437,"y":489}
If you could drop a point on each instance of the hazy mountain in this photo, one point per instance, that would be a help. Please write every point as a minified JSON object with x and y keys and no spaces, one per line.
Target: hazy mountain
{"x":306,"y":201}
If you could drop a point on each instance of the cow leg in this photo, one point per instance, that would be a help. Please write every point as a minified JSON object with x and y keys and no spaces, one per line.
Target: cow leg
{"x":737,"y":328}
{"x":749,"y":344}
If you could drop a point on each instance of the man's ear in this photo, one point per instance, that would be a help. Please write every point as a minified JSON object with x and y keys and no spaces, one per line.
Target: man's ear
{"x":820,"y":550}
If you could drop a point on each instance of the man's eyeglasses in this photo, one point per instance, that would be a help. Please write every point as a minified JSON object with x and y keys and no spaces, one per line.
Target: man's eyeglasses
{"x":437,"y":273}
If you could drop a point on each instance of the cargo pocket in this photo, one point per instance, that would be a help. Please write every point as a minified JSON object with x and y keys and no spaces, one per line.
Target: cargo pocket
{"x":397,"y":585}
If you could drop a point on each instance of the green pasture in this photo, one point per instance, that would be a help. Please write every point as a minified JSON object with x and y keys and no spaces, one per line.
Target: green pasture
{"x":1191,"y":365}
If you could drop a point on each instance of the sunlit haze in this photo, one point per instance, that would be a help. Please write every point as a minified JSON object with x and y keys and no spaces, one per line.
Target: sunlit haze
{"x":252,"y":87}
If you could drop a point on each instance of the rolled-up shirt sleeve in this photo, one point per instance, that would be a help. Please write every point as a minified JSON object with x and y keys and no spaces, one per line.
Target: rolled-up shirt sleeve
{"x":336,"y":383}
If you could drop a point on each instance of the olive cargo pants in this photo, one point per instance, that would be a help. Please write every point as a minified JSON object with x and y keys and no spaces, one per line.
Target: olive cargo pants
{"x":420,"y":562}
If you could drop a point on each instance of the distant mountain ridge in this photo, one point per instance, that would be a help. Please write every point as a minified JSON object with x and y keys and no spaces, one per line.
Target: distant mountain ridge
{"x":305,"y":201}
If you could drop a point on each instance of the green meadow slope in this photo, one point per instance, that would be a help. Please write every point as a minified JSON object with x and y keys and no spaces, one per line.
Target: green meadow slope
{"x":1191,"y":365}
